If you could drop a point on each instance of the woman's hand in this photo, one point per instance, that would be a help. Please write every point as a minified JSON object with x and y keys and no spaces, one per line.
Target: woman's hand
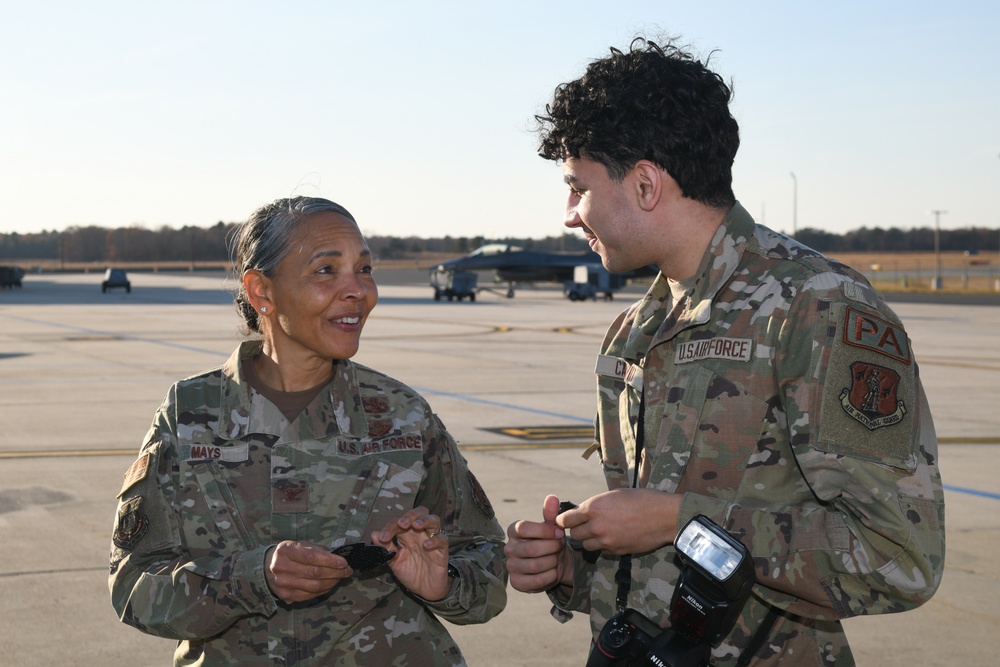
{"x":421,"y":562}
{"x":299,"y":571}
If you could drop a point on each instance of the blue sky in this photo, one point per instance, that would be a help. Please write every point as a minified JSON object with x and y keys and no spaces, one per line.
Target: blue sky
{"x":418,"y":116}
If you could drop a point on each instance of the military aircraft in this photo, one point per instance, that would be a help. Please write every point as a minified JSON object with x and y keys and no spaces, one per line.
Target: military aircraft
{"x":582,"y":274}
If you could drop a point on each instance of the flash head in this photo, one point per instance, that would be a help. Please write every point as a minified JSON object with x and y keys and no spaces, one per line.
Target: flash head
{"x":706,"y":545}
{"x":716,"y":580}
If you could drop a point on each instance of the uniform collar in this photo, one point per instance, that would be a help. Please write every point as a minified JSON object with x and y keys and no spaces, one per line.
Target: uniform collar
{"x":717,"y":266}
{"x":339,"y":409}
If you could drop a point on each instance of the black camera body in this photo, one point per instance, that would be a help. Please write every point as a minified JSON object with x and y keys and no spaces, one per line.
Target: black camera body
{"x":713,"y":586}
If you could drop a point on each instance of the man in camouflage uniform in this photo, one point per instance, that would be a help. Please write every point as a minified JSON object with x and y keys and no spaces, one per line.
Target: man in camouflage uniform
{"x":757,"y":382}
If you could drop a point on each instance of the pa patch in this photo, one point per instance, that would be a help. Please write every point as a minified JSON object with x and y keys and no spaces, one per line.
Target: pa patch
{"x":131,"y":525}
{"x":479,"y":495}
{"x":873,"y":333}
{"x":871,"y":399}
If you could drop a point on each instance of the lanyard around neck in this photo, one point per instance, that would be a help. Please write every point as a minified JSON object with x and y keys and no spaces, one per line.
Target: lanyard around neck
{"x":623,"y":577}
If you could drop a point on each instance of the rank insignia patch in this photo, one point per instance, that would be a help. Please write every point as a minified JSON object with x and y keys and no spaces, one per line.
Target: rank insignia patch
{"x":872,"y":399}
{"x":131,"y":525}
{"x":375,"y":404}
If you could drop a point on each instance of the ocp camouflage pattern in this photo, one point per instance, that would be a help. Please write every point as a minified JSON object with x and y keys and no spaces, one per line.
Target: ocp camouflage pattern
{"x":783,"y":401}
{"x":223,"y":475}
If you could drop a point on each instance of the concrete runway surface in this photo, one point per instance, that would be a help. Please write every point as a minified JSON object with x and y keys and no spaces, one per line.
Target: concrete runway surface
{"x":82,"y":372}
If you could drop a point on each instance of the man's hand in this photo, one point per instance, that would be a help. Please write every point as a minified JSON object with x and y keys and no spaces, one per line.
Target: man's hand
{"x":537,"y":555}
{"x":624,"y":521}
{"x":421,"y":561}
{"x":299,"y":571}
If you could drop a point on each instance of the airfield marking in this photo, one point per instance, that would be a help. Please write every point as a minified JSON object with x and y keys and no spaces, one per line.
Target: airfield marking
{"x":474,"y":448}
{"x":972,"y":492}
{"x":116,"y":336}
{"x":538,"y":433}
{"x":68,"y":453}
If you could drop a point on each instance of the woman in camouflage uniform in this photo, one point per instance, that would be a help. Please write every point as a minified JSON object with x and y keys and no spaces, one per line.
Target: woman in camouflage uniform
{"x":258,"y":477}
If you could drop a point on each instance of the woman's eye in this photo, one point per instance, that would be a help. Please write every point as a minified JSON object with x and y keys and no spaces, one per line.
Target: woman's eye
{"x":367,"y":268}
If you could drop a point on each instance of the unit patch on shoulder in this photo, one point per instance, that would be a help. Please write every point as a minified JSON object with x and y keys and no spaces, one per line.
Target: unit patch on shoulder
{"x":871,"y":398}
{"x":131,"y":525}
{"x":873,"y":333}
{"x":479,"y":495}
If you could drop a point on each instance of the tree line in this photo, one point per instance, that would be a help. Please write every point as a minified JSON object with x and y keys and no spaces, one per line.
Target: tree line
{"x":209,"y":244}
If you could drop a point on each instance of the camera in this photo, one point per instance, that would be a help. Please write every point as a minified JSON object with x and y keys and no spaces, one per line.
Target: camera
{"x":716,"y":577}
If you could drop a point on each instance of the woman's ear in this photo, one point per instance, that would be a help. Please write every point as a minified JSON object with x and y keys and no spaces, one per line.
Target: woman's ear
{"x":258,"y":289}
{"x":648,"y":183}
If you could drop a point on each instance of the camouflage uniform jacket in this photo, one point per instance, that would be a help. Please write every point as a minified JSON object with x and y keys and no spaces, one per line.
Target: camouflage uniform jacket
{"x":223,"y":475}
{"x":782,"y":401}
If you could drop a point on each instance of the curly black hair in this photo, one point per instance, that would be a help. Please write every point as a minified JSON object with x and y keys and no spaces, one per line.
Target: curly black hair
{"x":656,"y":103}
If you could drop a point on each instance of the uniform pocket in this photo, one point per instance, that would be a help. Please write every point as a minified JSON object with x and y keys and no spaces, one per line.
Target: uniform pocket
{"x":230,"y":533}
{"x":384,"y":494}
{"x":710,"y":432}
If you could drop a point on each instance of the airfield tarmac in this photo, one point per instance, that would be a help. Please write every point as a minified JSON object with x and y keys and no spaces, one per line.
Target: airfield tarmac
{"x":82,"y":372}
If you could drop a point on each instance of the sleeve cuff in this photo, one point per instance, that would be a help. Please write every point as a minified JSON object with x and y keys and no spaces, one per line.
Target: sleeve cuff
{"x":249,"y":583}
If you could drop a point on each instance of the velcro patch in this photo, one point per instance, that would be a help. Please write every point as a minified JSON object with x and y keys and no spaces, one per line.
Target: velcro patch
{"x":375,"y":405}
{"x":231,"y":454}
{"x":732,"y":349}
{"x":136,"y":473}
{"x":378,"y":427}
{"x":479,"y":495}
{"x":131,"y":525}
{"x":871,"y":398}
{"x":873,"y":333}
{"x":865,"y":395}
{"x":622,"y":369}
{"x":290,"y":496}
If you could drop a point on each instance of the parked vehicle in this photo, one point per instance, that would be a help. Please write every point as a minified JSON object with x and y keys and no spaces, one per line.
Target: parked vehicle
{"x":116,"y":278}
{"x":10,"y":276}
{"x":453,"y":285}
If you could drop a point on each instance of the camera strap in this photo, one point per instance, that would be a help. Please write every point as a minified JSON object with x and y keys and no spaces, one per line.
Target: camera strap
{"x":623,"y":577}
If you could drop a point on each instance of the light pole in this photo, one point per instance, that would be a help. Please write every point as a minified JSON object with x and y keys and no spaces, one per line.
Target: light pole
{"x":795,"y":204}
{"x":936,"y":284}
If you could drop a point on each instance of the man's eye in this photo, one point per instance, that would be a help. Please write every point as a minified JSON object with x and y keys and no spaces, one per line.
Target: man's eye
{"x":367,"y":268}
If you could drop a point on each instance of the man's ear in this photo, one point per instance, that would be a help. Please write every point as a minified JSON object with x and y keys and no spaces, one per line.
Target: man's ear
{"x":648,"y":181}
{"x":258,"y":289}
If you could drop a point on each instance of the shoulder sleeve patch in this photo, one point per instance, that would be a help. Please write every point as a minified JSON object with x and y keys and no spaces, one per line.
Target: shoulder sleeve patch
{"x":136,"y":473}
{"x":480,"y":497}
{"x":131,"y":524}
{"x":867,"y":391}
{"x":867,"y":331}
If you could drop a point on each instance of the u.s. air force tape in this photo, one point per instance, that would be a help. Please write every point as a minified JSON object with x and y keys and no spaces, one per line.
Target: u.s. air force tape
{"x":731,"y":349}
{"x":622,"y":369}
